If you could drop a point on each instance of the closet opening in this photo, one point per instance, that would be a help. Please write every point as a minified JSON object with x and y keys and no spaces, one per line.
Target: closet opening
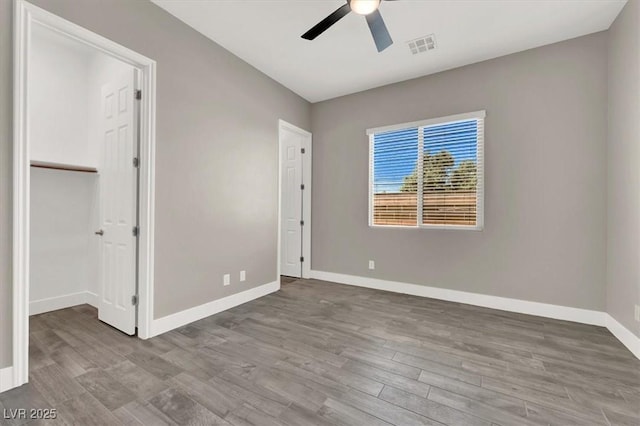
{"x":84,"y":144}
{"x":84,"y":148}
{"x":83,"y":134}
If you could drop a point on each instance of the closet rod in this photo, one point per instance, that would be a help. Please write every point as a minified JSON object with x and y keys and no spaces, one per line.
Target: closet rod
{"x":60,"y":166}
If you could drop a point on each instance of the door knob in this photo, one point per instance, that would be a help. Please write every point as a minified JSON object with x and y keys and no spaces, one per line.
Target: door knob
{"x":99,"y":232}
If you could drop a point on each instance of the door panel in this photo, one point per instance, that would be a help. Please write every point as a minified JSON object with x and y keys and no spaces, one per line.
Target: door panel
{"x":118,"y":190}
{"x":291,"y":214}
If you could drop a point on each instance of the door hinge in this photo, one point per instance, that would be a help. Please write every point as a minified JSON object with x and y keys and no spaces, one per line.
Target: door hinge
{"x":134,"y":300}
{"x":302,"y":223}
{"x":301,"y":258}
{"x":302,"y":151}
{"x":136,"y":231}
{"x":138,"y":94}
{"x":302,"y":186}
{"x":136,"y":162}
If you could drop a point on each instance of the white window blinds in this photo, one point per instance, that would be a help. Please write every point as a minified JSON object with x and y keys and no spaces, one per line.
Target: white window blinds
{"x":428,"y":174}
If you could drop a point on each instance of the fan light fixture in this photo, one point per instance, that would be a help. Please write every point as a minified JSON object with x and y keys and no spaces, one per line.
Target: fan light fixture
{"x":367,"y":8}
{"x":364,"y":7}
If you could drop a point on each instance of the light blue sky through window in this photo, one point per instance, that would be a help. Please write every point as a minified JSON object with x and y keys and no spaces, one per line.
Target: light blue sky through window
{"x":396,"y":152}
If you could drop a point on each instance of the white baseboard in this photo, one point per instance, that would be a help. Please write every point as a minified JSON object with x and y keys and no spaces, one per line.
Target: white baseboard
{"x":60,"y":302}
{"x":630,"y":340}
{"x":566,"y":313}
{"x":91,"y":298}
{"x":6,"y":378}
{"x":170,"y":322}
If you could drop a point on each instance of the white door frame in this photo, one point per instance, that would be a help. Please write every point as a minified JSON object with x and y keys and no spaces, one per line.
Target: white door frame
{"x":25,"y":16}
{"x":306,"y":200}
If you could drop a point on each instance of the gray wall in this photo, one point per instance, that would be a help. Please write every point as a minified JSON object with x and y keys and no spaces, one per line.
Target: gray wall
{"x":217,"y":143}
{"x":545,"y":214}
{"x":623,"y":177}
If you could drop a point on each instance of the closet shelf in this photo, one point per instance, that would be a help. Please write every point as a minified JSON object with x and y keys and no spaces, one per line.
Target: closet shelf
{"x":63,"y":166}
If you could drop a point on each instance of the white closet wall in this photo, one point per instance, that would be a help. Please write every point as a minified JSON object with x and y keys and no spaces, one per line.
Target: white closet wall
{"x":59,"y":87}
{"x":61,"y":220}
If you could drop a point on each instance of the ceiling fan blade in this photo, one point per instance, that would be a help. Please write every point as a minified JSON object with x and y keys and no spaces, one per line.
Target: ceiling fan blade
{"x":327,"y":22}
{"x":379,"y":30}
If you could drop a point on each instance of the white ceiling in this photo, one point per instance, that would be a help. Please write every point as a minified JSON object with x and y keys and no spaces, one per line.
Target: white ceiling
{"x":343,"y":60}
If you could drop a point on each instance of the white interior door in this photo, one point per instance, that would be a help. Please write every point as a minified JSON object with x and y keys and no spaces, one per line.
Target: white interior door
{"x":294,"y":146}
{"x":118,"y":193}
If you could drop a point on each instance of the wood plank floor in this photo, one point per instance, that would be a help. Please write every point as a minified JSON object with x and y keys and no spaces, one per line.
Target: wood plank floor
{"x":317,"y":353}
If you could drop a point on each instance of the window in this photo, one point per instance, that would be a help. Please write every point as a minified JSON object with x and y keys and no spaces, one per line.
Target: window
{"x":428,"y":174}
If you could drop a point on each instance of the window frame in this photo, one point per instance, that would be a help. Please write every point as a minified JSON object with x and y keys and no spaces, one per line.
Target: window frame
{"x":450,"y":119}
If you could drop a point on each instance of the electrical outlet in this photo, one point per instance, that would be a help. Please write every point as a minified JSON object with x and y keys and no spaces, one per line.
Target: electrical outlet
{"x":226,"y":279}
{"x":637,"y":313}
{"x":243,"y":276}
{"x":372,"y":264}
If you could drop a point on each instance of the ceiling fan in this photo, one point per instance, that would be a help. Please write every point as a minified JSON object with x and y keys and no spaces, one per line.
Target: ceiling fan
{"x":367,"y":8}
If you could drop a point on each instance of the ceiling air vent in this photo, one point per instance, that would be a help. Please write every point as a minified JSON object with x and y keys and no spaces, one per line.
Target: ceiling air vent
{"x":422,"y":44}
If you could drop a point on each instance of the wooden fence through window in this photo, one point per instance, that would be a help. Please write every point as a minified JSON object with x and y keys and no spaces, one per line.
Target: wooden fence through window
{"x":442,"y":208}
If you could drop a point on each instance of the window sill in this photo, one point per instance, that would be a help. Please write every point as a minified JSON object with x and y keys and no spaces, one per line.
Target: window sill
{"x":435,"y":227}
